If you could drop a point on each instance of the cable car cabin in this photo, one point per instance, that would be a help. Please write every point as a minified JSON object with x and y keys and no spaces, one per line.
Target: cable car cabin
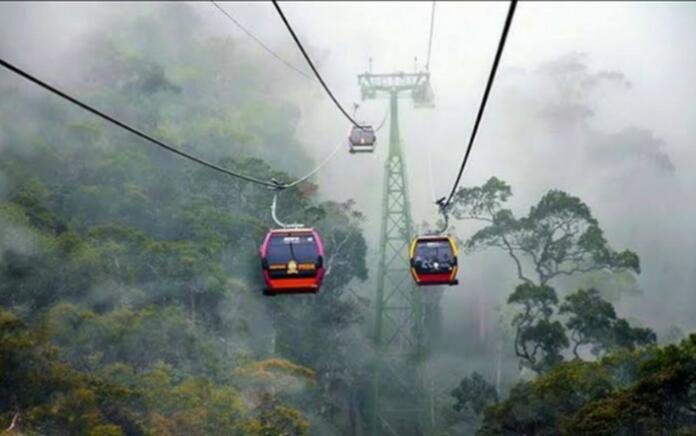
{"x":292,"y":261}
{"x":362,"y":139}
{"x":423,"y":96}
{"x":434,"y":260}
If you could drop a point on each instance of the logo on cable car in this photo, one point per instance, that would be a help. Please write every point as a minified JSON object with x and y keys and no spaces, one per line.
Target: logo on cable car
{"x":292,"y":267}
{"x":306,"y":267}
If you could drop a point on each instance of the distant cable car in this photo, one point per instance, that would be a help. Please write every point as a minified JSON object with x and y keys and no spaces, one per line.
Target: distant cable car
{"x":423,"y":96}
{"x":434,"y":260}
{"x":362,"y":139}
{"x":292,"y":261}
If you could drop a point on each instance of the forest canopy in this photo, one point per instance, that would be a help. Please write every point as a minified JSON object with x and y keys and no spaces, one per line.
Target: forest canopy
{"x":131,"y":293}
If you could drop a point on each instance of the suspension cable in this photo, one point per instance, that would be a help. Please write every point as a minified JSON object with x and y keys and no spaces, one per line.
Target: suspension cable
{"x":125,"y":126}
{"x":430,"y":37}
{"x":278,"y":222}
{"x":431,"y":179}
{"x":311,"y":65}
{"x":316,"y":169}
{"x":269,"y":183}
{"x":384,"y":119}
{"x":258,"y":41}
{"x":489,"y":85}
{"x":427,"y":68}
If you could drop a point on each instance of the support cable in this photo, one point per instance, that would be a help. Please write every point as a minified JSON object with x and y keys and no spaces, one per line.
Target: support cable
{"x":384,"y":119}
{"x":125,"y":126}
{"x":430,"y":37}
{"x":489,"y":85}
{"x":311,"y":65}
{"x":440,"y":202}
{"x":274,"y":184}
{"x":316,"y":169}
{"x":381,"y":123}
{"x":259,"y":42}
{"x":431,"y":181}
{"x":278,"y":222}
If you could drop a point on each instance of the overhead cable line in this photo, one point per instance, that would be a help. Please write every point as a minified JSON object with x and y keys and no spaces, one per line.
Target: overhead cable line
{"x":259,"y":42}
{"x":430,"y":37}
{"x":311,"y":65}
{"x":427,"y":68}
{"x":491,"y":79}
{"x":269,"y":183}
{"x":317,"y":168}
{"x":125,"y":126}
{"x":384,"y":119}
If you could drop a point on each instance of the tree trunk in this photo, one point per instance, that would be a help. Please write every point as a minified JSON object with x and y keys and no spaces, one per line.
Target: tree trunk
{"x":192,"y":305}
{"x":13,"y":424}
{"x":498,"y":365}
{"x":482,"y":317}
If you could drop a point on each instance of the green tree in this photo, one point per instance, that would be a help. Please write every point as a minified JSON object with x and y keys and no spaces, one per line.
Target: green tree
{"x":135,"y":266}
{"x":475,"y":393}
{"x":647,"y":391}
{"x":538,"y":407}
{"x":590,"y":320}
{"x":539,"y":340}
{"x":661,"y":401}
{"x":559,"y":236}
{"x":593,"y":321}
{"x":43,"y":395}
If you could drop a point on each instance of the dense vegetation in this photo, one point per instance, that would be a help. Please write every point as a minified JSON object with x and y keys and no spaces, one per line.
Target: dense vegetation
{"x":626,"y":393}
{"x":618,"y":382}
{"x":129,"y":278}
{"x":130,"y":294}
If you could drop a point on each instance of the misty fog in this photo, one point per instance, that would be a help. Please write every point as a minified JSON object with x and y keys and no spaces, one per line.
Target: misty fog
{"x":592,"y":98}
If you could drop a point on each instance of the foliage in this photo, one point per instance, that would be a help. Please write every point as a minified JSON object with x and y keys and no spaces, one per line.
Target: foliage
{"x":129,"y":277}
{"x":559,"y":235}
{"x":593,"y":321}
{"x":612,"y":286}
{"x":539,"y":339}
{"x":650,"y":391}
{"x":475,"y":393}
{"x":276,"y":420}
{"x":662,"y":399}
{"x":50,"y":396}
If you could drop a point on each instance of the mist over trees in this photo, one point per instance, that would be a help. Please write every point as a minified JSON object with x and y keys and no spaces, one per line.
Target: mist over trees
{"x":129,"y":278}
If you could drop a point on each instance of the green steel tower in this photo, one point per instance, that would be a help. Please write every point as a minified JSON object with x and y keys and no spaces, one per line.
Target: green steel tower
{"x":400,"y":400}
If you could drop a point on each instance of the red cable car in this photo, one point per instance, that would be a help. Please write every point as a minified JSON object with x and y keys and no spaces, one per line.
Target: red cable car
{"x":434,"y":260}
{"x":292,"y":261}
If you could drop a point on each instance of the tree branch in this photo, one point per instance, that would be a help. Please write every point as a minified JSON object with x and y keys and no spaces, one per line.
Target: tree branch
{"x":336,"y":250}
{"x":534,"y":352}
{"x":514,"y":257}
{"x":578,"y":270}
{"x":15,"y":418}
{"x":475,"y":218}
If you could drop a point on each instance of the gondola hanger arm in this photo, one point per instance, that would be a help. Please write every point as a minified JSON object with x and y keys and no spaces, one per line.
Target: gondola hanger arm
{"x":278,"y":222}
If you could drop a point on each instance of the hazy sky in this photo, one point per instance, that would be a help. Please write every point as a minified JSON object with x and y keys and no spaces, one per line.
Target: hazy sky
{"x":617,"y":159}
{"x":652,"y":44}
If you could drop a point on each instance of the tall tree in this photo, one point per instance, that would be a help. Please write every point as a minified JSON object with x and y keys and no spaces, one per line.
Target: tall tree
{"x":539,"y":340}
{"x":559,"y":235}
{"x":593,"y":321}
{"x":474,"y":393}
